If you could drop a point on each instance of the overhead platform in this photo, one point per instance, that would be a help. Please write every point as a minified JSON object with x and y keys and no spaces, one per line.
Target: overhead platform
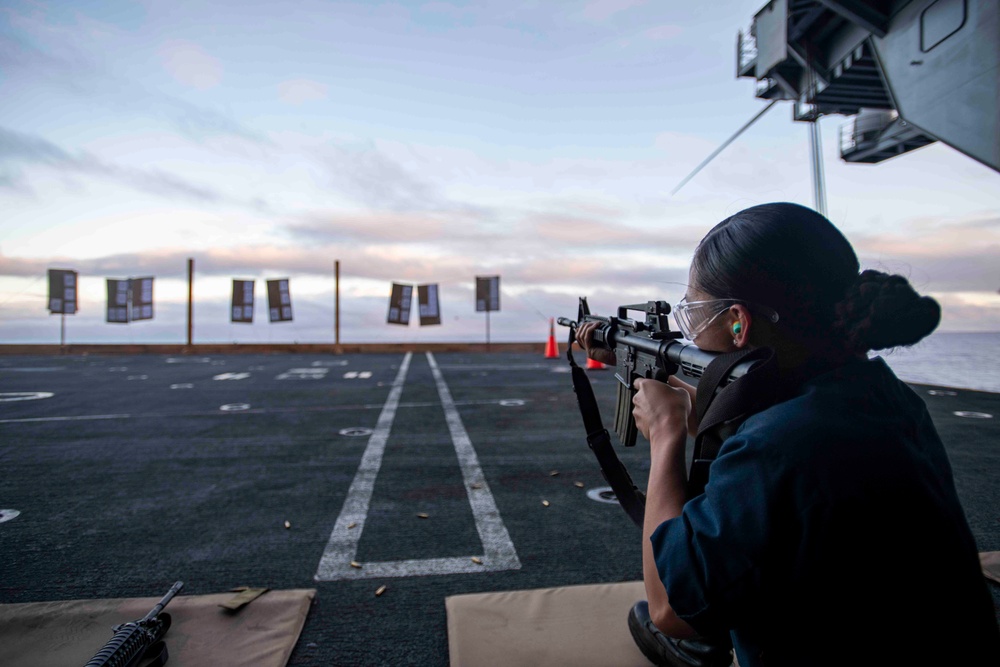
{"x":932,"y":67}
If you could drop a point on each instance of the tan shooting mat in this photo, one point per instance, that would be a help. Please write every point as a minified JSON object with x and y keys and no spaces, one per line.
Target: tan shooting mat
{"x":581,"y":626}
{"x":990,"y":560}
{"x":262,"y":633}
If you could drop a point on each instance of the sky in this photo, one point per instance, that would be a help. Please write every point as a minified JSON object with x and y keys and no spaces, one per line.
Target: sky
{"x":420,"y":142}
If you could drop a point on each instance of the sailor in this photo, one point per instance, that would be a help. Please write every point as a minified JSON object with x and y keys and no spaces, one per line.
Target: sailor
{"x":830,"y":531}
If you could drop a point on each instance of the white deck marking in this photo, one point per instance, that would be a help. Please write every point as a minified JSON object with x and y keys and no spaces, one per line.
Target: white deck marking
{"x":261,"y":411}
{"x":7,"y":515}
{"x":357,"y":432}
{"x":973,"y":415}
{"x":231,"y":376}
{"x":62,"y":419}
{"x":36,"y":369}
{"x":342,"y":548}
{"x":496,"y":367}
{"x":303,"y":374}
{"x":9,"y":396}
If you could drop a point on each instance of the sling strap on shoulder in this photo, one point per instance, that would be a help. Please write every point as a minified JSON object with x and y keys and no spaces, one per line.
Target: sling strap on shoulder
{"x":721,"y":409}
{"x":632,"y":500}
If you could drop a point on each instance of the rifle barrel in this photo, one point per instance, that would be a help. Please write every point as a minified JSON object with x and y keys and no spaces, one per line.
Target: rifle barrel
{"x":154,"y":612}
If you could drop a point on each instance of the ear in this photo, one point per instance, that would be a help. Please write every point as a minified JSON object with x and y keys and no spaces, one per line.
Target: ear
{"x":740,"y":320}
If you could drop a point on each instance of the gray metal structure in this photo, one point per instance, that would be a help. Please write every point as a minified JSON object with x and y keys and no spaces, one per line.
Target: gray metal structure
{"x":909,"y":72}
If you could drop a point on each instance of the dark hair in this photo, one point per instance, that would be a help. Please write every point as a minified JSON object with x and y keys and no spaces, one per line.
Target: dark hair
{"x":792,"y":259}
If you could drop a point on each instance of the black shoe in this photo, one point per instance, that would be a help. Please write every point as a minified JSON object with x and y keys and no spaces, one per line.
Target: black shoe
{"x":663,"y":650}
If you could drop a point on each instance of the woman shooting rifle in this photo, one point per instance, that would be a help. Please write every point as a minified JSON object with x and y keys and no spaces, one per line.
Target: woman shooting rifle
{"x":830,"y":531}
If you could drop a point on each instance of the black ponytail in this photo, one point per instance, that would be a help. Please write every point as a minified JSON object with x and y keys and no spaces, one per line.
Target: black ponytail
{"x":792,"y":259}
{"x":882,"y":311}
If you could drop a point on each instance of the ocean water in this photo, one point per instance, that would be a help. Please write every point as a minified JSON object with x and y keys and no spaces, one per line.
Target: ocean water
{"x":962,"y":360}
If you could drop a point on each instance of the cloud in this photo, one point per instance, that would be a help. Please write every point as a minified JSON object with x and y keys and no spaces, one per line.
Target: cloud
{"x":942,"y":255}
{"x":529,"y":267}
{"x":79,"y":74}
{"x":661,"y":32}
{"x":299,"y":91}
{"x":602,"y":10}
{"x":960,"y":313}
{"x":13,"y":181}
{"x":16,"y":146}
{"x":604,"y":232}
{"x":371,"y":229}
{"x":518,"y":236}
{"x":199,"y":123}
{"x":189,"y":64}
{"x":372,"y":177}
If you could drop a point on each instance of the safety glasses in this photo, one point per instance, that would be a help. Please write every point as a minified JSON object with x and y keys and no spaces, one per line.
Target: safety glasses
{"x":693,"y":317}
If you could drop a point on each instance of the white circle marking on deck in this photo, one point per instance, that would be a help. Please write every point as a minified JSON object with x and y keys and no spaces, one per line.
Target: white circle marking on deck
{"x":941,"y":392}
{"x":234,"y":407}
{"x":184,"y":360}
{"x":329,"y":363}
{"x":973,"y":415}
{"x":7,"y":515}
{"x":137,"y":377}
{"x":511,"y":402}
{"x":603,"y":494}
{"x":355,"y":432}
{"x":182,"y":385}
{"x":118,"y":369}
{"x":9,"y":396}
{"x":561,"y":369}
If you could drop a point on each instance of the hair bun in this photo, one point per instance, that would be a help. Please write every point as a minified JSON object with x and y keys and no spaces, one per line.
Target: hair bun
{"x":882,"y":311}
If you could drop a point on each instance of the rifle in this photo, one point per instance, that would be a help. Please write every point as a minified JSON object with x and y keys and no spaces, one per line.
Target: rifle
{"x":137,"y":640}
{"x":647,"y":348}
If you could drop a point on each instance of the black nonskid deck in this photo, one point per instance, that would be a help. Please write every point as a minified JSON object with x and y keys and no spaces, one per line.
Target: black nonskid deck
{"x":138,"y":471}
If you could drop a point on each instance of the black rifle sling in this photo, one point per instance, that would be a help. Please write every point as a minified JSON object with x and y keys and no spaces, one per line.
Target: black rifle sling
{"x":632,"y":500}
{"x":721,"y":410}
{"x":158,"y":652}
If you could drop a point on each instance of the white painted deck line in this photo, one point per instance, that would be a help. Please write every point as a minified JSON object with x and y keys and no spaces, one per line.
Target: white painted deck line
{"x":266,"y":411}
{"x":342,"y":548}
{"x":62,"y":419}
{"x":499,"y":549}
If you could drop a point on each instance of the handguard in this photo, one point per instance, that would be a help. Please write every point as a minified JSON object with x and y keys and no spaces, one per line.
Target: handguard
{"x":138,"y":641}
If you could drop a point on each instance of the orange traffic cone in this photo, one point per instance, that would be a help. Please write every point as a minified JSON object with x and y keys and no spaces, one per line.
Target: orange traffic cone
{"x":594,"y":364}
{"x":551,"y":349}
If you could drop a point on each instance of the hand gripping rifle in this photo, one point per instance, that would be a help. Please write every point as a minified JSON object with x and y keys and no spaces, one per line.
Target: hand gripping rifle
{"x":137,"y":640}
{"x":649,"y":349}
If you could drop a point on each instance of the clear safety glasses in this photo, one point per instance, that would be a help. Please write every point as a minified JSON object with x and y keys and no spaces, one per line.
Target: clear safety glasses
{"x":693,"y":317}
